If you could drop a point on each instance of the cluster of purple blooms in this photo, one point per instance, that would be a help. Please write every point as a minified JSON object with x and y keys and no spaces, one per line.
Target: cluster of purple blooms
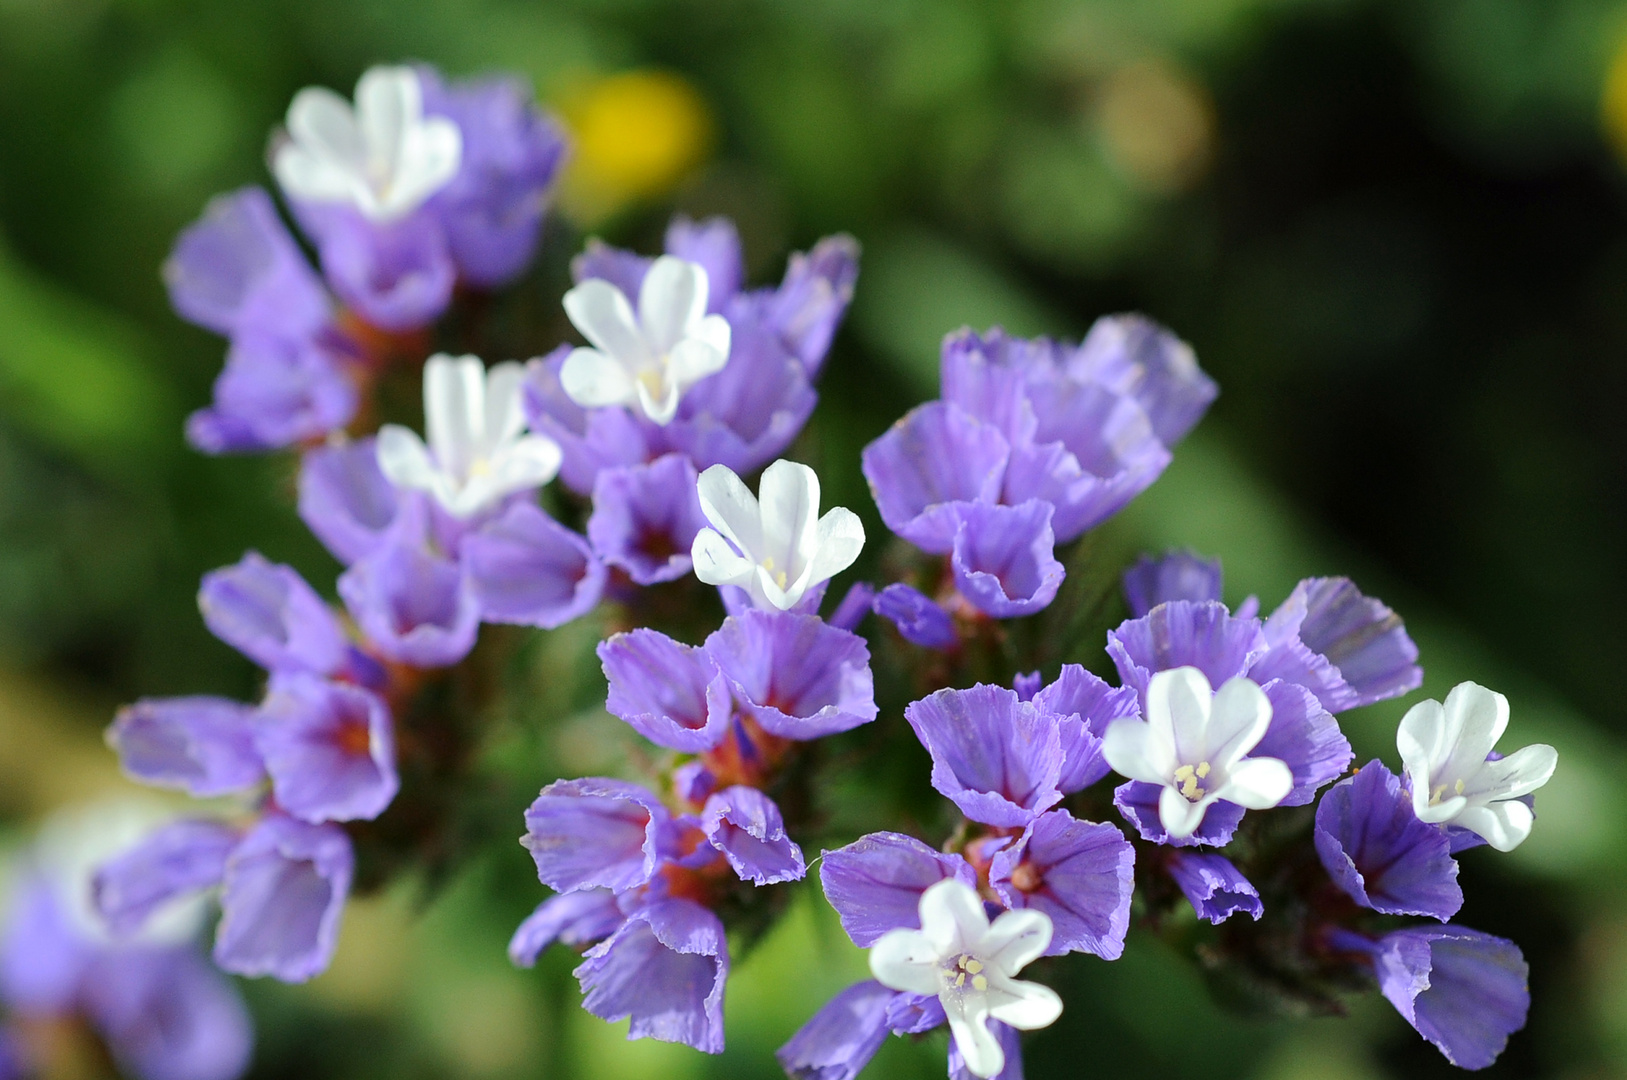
{"x":420,"y":193}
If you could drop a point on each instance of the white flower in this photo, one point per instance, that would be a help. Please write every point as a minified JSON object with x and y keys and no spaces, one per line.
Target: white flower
{"x":776,"y":549}
{"x":648,"y":361}
{"x":384,"y":157}
{"x":1444,"y":753}
{"x":478,"y":452}
{"x":970,"y":965}
{"x":1194,"y":742}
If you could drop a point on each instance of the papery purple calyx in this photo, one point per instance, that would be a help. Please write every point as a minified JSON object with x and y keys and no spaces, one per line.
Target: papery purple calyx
{"x":329,"y":748}
{"x":1079,"y":873}
{"x":875,"y":883}
{"x":284,"y":893}
{"x":913,"y":1014}
{"x":1136,"y":356}
{"x":1215,"y":888}
{"x":594,"y":833}
{"x":414,"y":606}
{"x":665,"y":969}
{"x":927,"y":465}
{"x":1375,"y":848}
{"x":994,"y":756}
{"x":526,"y":568}
{"x":177,"y":860}
{"x":747,"y":827}
{"x":346,"y":500}
{"x":919,"y":619}
{"x":1082,"y":695}
{"x":397,"y":275}
{"x":267,"y":612}
{"x":795,"y":675}
{"x":812,"y":298}
{"x":167,"y":1014}
{"x":645,"y":518}
{"x":1306,"y":737}
{"x":274,"y":391}
{"x":842,"y":1037}
{"x":1182,"y":633}
{"x":1176,"y":575}
{"x":1138,"y":802}
{"x":1348,"y":649}
{"x":202,"y":745}
{"x":1002,"y":558}
{"x":672,"y":694}
{"x":855,"y":604}
{"x":572,"y":919}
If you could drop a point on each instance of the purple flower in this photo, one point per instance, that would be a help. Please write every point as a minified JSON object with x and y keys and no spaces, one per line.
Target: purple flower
{"x":670,"y":693}
{"x":1136,"y":356}
{"x":178,"y":859}
{"x":413,"y":605}
{"x":594,"y":833}
{"x":589,"y":439}
{"x":645,"y":518}
{"x":1087,"y":705}
{"x":237,"y":269}
{"x":1002,"y":558}
{"x":275,"y":390}
{"x":346,"y":500}
{"x":809,"y":304}
{"x":492,"y":209}
{"x":202,"y":745}
{"x":927,"y":465}
{"x":1346,"y":648}
{"x":1307,"y":737}
{"x":267,"y":612}
{"x":714,"y":244}
{"x":1177,"y":575}
{"x":526,"y":568}
{"x":918,"y":618}
{"x":1375,"y":848}
{"x":397,"y":275}
{"x":329,"y":747}
{"x":842,"y":1037}
{"x":855,"y":604}
{"x":795,"y":675}
{"x":1138,"y":802}
{"x":994,"y":756}
{"x":1464,"y":991}
{"x":1077,"y":872}
{"x":746,"y":826}
{"x":1216,"y":889}
{"x":573,"y":918}
{"x":665,"y":968}
{"x":285,"y":890}
{"x":43,"y":955}
{"x":875,"y":883}
{"x":166,"y":1014}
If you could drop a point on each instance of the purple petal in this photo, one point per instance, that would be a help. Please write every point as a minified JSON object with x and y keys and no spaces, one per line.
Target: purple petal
{"x":936,"y":457}
{"x":167,"y":1014}
{"x":275,"y":390}
{"x":918,"y":618}
{"x":842,"y":1037}
{"x":181,"y":858}
{"x":43,"y":954}
{"x":988,"y":374}
{"x":1027,"y":684}
{"x":715,"y":245}
{"x":267,"y":612}
{"x":912,"y":1014}
{"x":1348,"y":649}
{"x":589,"y":439}
{"x":526,"y":568}
{"x":1307,"y":737}
{"x":1136,"y":356}
{"x":796,"y":675}
{"x":574,"y":918}
{"x":329,"y":747}
{"x":1375,"y":848}
{"x":1079,"y":693}
{"x":414,"y":606}
{"x":1185,"y":634}
{"x":1176,"y":575}
{"x":1079,"y":873}
{"x":398,"y":276}
{"x":285,"y":891}
{"x":645,"y":518}
{"x":809,"y":304}
{"x":623,"y":269}
{"x":855,"y":604}
{"x":875,"y":883}
{"x":1002,"y":558}
{"x":746,"y":826}
{"x":670,"y":693}
{"x":346,"y":500}
{"x":1138,"y":802}
{"x":202,"y":745}
{"x":665,"y":968}
{"x":1216,"y":889}
{"x":594,"y":833}
{"x":995,"y":757}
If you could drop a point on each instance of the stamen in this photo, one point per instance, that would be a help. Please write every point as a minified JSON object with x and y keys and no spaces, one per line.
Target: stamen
{"x":979,"y":982}
{"x":1435,"y":796}
{"x":1459,"y":788}
{"x":974,"y":965}
{"x":1203,"y":769}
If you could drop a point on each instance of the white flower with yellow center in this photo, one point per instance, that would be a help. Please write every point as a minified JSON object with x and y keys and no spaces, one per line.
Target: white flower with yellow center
{"x":1445,"y":752}
{"x":776,"y":547}
{"x":384,"y":156}
{"x":970,"y":965}
{"x":648,"y":360}
{"x":478,"y":451}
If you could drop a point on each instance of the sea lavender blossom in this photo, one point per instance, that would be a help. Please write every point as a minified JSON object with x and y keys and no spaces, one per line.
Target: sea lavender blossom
{"x":646,"y":517}
{"x":917,"y":617}
{"x":1375,"y":848}
{"x":1214,"y":887}
{"x":1179,"y":575}
{"x":268,"y":613}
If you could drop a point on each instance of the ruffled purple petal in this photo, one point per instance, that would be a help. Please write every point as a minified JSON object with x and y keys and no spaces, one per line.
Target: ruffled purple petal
{"x":1375,"y":848}
{"x":927,"y":465}
{"x":275,"y":391}
{"x":1079,"y":873}
{"x":918,"y":618}
{"x":1348,"y":649}
{"x":995,"y":757}
{"x":875,"y":883}
{"x":796,"y":675}
{"x":589,"y":439}
{"x":329,"y":747}
{"x":670,"y":693}
{"x":1181,"y":633}
{"x":1307,"y":737}
{"x":1002,"y":558}
{"x":746,"y":826}
{"x":1082,"y":694}
{"x":267,"y":612}
{"x":177,"y":860}
{"x":715,"y":245}
{"x":912,"y":1014}
{"x":665,"y":968}
{"x":594,"y":833}
{"x":809,"y":304}
{"x":842,"y":1037}
{"x":414,"y":606}
{"x":1138,"y":802}
{"x":285,"y":891}
{"x":573,"y":918}
{"x":1136,"y":356}
{"x":1176,"y":575}
{"x":645,"y":518}
{"x":202,"y":745}
{"x":346,"y":500}
{"x":397,"y":275}
{"x":526,"y":568}
{"x":167,"y":1014}
{"x":1216,"y":889}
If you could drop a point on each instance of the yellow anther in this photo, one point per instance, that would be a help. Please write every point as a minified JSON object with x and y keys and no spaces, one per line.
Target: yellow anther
{"x":1459,"y":788}
{"x":1202,"y":769}
{"x":1435,"y":796}
{"x":480,"y":467}
{"x":1184,"y":774}
{"x":960,"y":979}
{"x":974,"y":965}
{"x":980,"y":982}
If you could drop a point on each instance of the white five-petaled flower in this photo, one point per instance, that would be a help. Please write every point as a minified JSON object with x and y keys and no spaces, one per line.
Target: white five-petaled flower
{"x":384,"y":157}
{"x":478,"y":451}
{"x":1195,"y":743}
{"x":778,"y":547}
{"x":1445,"y":752}
{"x":650,"y":360}
{"x":970,"y":965}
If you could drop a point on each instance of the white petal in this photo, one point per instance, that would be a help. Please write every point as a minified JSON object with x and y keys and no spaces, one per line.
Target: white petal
{"x":526,"y":463}
{"x":969,"y":1025}
{"x":1504,"y":825}
{"x":732,"y":509}
{"x":322,"y":123}
{"x":837,"y":543}
{"x":1420,"y":741}
{"x":1028,"y":1007}
{"x":455,"y":410}
{"x":1257,"y":783}
{"x":905,"y":960}
{"x":1520,"y":773}
{"x":594,"y":380}
{"x":1133,"y":750}
{"x":1448,"y":809}
{"x":1015,"y":940}
{"x":714,"y":330}
{"x":952,"y":916}
{"x":600,"y":311}
{"x":311,"y":178}
{"x":1180,"y":817}
{"x":716,"y":563}
{"x":429,"y":160}
{"x":1238,"y":719}
{"x":1178,"y":703}
{"x":1478,"y":717}
{"x":765,"y":587}
{"x":671,"y":301}
{"x":404,"y":460}
{"x":659,"y":410}
{"x":388,"y":104}
{"x":505,"y":411}
{"x":692,"y":360}
{"x":788,"y":495}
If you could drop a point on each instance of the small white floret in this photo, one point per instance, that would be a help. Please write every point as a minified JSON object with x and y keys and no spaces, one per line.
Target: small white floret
{"x":777,"y":547}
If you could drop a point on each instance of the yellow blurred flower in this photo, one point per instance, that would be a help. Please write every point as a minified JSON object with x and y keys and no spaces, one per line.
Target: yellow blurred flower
{"x":635,"y":137}
{"x":1613,"y":103}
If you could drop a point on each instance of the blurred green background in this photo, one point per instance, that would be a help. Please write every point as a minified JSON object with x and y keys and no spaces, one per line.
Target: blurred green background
{"x":1395,"y":232}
